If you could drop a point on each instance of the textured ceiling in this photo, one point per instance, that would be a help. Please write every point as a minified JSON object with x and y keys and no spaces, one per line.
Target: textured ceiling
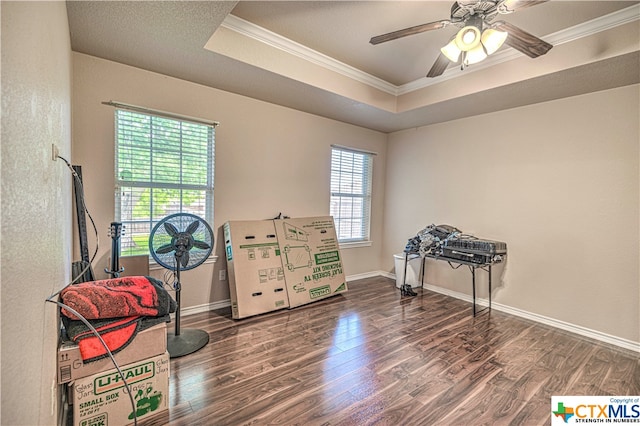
{"x":314,"y":56}
{"x":342,"y":30}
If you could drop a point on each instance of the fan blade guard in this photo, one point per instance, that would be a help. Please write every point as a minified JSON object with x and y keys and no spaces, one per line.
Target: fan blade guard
{"x":175,"y":232}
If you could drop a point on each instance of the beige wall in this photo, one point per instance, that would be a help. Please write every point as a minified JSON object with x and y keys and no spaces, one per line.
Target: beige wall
{"x":269,"y":159}
{"x":557,"y":181}
{"x":36,"y":207}
{"x":547,"y":179}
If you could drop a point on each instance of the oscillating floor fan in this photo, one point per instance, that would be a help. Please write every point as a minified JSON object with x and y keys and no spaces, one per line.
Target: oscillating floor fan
{"x":180,"y":242}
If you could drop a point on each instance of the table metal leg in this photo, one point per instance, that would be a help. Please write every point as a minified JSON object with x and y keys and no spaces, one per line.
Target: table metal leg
{"x":473,"y":274}
{"x":404,"y":277}
{"x":406,"y":289}
{"x":473,"y":279}
{"x":489,"y":286}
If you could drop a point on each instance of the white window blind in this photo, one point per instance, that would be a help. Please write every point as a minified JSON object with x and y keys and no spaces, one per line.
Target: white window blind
{"x":351,"y":193}
{"x":162,"y":166}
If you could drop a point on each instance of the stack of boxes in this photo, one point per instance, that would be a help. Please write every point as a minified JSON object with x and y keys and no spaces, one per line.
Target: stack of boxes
{"x":97,"y":392}
{"x":282,"y":263}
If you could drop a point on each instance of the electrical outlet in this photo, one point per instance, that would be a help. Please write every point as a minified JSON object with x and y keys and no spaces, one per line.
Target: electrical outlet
{"x":222,"y":275}
{"x":54,"y":152}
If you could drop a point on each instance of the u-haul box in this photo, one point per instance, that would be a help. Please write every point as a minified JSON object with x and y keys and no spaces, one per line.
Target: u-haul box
{"x":311,"y":259}
{"x":147,"y":343}
{"x":255,"y":273}
{"x":102,"y":399}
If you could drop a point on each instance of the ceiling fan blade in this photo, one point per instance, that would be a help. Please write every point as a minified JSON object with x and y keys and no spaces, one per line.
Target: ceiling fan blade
{"x":409,"y":31}
{"x":508,"y":6}
{"x":439,"y":66}
{"x":522,"y":41}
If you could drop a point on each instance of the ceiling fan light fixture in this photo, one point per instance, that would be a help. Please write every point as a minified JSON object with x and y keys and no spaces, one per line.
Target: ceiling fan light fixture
{"x":474,"y":56}
{"x":451,"y":51}
{"x":492,"y":40}
{"x":468,"y":38}
{"x":479,"y":36}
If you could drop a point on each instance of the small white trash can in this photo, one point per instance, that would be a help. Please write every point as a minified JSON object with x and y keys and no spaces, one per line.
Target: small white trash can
{"x":413,"y":270}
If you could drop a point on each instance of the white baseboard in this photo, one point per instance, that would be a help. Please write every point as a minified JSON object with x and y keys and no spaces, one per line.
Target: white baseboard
{"x":573,"y":328}
{"x":192,"y":310}
{"x":368,"y":275}
{"x":562,"y":325}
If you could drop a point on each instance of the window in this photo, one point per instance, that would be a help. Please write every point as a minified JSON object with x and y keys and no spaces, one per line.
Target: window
{"x":351,"y":193}
{"x":162,"y":166}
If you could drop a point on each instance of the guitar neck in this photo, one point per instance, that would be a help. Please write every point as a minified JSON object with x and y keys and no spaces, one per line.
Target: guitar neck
{"x":115,"y":231}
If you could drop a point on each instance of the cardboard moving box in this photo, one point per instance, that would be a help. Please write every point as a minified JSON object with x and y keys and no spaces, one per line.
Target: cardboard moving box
{"x":255,"y":273}
{"x":311,"y":258}
{"x":102,"y":399}
{"x":147,"y":343}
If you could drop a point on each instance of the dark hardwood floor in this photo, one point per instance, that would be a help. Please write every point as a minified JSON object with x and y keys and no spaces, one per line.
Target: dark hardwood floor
{"x":370,"y":356}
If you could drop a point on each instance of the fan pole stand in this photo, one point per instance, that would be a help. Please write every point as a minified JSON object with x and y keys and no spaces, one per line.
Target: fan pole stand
{"x":197,"y":235}
{"x":190,"y":340}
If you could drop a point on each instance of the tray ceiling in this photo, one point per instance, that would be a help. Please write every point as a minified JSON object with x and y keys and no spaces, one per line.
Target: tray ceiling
{"x":315,"y":56}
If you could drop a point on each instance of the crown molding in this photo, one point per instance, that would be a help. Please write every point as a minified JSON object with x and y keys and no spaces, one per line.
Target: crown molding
{"x":270,"y":38}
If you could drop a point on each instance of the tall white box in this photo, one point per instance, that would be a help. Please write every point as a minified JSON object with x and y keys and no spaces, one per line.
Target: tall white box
{"x":311,"y":259}
{"x":255,"y":273}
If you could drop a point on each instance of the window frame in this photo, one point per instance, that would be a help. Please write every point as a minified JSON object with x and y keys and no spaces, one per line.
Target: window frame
{"x":366,"y":176}
{"x":156,"y":183}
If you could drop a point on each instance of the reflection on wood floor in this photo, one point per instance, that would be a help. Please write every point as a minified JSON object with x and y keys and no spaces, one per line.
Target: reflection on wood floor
{"x":370,"y":356}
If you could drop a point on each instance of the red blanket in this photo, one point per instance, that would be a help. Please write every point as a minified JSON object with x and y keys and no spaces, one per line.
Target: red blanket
{"x":117,"y":308}
{"x":117,"y":297}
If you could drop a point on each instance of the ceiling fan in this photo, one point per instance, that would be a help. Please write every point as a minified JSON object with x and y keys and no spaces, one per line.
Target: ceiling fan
{"x":479,"y":36}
